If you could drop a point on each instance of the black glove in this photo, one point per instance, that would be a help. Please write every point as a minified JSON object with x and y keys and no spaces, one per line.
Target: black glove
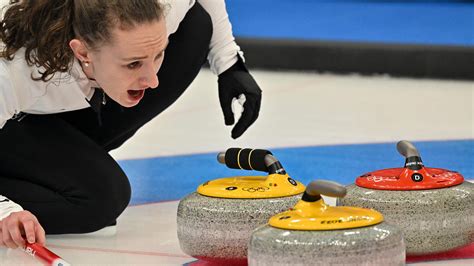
{"x":233,"y":82}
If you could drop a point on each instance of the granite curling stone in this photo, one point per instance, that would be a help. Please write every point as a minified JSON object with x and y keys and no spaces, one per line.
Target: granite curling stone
{"x":434,"y":207}
{"x":314,"y":233}
{"x":215,"y":223}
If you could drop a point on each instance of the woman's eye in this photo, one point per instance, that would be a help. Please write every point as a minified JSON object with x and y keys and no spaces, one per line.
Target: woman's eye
{"x":159,"y":56}
{"x":133,"y":65}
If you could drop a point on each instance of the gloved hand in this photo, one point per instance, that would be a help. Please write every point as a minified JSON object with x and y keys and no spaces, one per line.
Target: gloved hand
{"x":232,"y":83}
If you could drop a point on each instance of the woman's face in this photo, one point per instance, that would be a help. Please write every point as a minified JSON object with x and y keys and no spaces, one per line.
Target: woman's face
{"x":128,"y":65}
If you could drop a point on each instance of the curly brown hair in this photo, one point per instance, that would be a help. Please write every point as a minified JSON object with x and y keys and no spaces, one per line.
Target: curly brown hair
{"x":45,"y":28}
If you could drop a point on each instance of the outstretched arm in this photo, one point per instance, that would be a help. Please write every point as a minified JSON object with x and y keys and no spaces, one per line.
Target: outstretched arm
{"x":226,"y":60}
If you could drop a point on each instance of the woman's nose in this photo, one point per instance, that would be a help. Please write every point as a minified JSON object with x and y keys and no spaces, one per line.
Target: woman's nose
{"x":149,"y":78}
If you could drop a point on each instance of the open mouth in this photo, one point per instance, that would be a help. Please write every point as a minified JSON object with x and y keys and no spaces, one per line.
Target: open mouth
{"x":136,"y":95}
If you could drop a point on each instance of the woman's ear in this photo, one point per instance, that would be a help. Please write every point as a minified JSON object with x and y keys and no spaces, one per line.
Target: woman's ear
{"x":80,"y":50}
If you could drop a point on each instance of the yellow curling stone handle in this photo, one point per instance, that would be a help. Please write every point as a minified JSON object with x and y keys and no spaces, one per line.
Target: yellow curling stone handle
{"x":312,"y":213}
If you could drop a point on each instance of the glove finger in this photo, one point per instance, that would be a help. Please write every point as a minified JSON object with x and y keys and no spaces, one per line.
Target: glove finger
{"x":257,"y":107}
{"x":247,"y":118}
{"x":226,"y":106}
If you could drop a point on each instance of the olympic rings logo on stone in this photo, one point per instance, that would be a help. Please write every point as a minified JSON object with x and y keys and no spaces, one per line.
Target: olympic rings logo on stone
{"x":255,"y":189}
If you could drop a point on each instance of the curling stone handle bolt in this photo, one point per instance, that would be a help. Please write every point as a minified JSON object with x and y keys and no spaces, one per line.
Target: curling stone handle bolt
{"x":323,"y":187}
{"x":221,"y":157}
{"x":251,"y":159}
{"x":413,"y":160}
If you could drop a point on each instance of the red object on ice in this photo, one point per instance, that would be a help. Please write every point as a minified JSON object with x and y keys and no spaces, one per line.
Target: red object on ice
{"x":44,"y":254}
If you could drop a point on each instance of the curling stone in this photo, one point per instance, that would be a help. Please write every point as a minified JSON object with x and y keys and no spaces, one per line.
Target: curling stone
{"x":215,"y":223}
{"x":434,"y":207}
{"x":314,"y":233}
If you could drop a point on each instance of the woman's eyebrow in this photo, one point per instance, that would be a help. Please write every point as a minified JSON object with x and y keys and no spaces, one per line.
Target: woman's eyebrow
{"x":135,"y":58}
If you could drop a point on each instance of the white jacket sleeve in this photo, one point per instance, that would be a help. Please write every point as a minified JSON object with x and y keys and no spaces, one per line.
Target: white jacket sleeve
{"x":7,"y":207}
{"x":223,"y":48}
{"x":9,"y":104}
